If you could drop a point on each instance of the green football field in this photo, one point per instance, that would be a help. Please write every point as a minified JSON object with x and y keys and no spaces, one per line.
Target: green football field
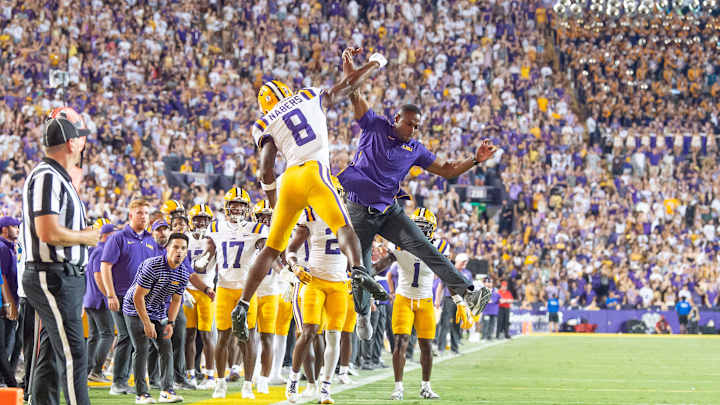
{"x":557,"y":369}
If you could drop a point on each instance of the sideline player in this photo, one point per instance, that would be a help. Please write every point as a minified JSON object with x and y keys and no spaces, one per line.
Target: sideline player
{"x":296,"y":126}
{"x":326,"y":290}
{"x":236,"y":242}
{"x":202,"y":313}
{"x":413,"y":306}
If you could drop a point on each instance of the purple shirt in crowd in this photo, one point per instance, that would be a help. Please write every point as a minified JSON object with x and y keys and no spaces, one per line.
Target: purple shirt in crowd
{"x":494,"y":304}
{"x":125,"y":250}
{"x":382,"y":161}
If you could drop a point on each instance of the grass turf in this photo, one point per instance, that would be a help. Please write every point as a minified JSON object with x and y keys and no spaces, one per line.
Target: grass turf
{"x":570,"y":369}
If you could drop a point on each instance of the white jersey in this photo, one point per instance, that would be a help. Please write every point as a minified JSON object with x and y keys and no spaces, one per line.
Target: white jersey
{"x":235,"y":250}
{"x":415,"y":279}
{"x":326,"y":260}
{"x":196,"y":247}
{"x":298,"y":127}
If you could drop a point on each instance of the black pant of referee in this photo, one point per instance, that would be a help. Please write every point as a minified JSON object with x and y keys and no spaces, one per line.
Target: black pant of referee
{"x":57,"y":298}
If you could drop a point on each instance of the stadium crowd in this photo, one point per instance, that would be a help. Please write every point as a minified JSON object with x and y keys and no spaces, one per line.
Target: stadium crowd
{"x":609,"y":163}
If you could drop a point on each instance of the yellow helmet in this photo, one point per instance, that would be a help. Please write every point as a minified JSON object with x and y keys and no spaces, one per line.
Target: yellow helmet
{"x":337,"y":185}
{"x":100,"y":222}
{"x":200,"y":217}
{"x":425,"y":220}
{"x":271,"y":93}
{"x":237,"y":194}
{"x":172,"y":208}
{"x":262,"y":208}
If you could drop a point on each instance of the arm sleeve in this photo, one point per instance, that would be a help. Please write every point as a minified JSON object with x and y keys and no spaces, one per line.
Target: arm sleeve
{"x":46,"y":195}
{"x":425,"y":157}
{"x":145,"y":275}
{"x":111,"y":251}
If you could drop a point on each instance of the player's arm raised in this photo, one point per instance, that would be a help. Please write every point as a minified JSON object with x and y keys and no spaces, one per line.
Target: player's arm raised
{"x":268,"y":152}
{"x":452,"y":169}
{"x":352,"y":78}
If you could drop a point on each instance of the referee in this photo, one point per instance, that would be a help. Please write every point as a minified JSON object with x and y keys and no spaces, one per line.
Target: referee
{"x":56,"y":239}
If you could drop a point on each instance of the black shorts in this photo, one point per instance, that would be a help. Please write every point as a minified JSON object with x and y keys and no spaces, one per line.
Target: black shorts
{"x":553,"y":317}
{"x":683,"y":319}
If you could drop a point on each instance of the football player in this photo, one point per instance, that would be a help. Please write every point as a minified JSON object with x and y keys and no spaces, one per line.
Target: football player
{"x":201,"y":314}
{"x":236,"y":241}
{"x":326,"y":290}
{"x":296,"y":126}
{"x":413,"y":306}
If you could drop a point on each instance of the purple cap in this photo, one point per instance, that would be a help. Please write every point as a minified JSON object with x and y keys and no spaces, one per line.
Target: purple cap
{"x":8,"y":221}
{"x":159,"y":224}
{"x":107,"y":228}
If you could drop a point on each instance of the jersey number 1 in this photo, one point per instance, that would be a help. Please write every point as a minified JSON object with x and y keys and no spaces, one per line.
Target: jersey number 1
{"x":416,"y":275}
{"x":299,"y":126}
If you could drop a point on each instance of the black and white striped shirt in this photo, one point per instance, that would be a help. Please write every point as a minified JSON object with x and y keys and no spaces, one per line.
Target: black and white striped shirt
{"x":48,"y":190}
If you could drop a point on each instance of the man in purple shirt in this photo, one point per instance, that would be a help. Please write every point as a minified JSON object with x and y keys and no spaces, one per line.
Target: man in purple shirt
{"x":122,"y":254}
{"x":491,"y":311}
{"x":100,"y":323}
{"x":9,"y":233}
{"x":386,"y":152}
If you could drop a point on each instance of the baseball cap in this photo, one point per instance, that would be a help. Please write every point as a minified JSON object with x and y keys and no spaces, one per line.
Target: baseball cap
{"x":8,"y":221}
{"x":63,"y":124}
{"x":159,"y":224}
{"x":107,"y":228}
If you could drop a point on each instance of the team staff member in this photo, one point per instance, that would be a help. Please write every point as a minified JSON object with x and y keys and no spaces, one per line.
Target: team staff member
{"x":386,"y":152}
{"x":148,"y":318}
{"x":9,"y":233}
{"x":122,"y":255}
{"x":56,"y":239}
{"x":100,"y":322}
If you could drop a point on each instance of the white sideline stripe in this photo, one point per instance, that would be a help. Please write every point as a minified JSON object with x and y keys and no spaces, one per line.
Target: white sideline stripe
{"x":69,"y":372}
{"x":338,"y":388}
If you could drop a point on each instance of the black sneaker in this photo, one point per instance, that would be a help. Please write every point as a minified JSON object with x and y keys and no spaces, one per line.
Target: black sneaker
{"x":239,"y":322}
{"x":361,"y":278}
{"x":478,"y":299}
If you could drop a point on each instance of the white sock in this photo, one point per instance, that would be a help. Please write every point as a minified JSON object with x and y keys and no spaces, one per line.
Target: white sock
{"x":398,"y":386}
{"x":293,"y":376}
{"x":261,"y":379}
{"x":191,"y":373}
{"x":210,"y":374}
{"x":279,"y":344}
{"x":344,"y":369}
{"x":236,"y":368}
{"x":325,"y":386}
{"x":247,"y":385}
{"x":332,"y":354}
{"x":425,"y":384}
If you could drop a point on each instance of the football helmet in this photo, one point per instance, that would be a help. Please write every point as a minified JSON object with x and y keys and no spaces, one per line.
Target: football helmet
{"x":262,"y":211}
{"x":237,"y":204}
{"x":100,"y":222}
{"x":200,"y":217}
{"x":172,"y":208}
{"x":271,"y":93}
{"x":425,"y":220}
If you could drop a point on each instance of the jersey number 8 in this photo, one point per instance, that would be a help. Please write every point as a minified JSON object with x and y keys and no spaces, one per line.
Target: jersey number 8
{"x":299,"y":126}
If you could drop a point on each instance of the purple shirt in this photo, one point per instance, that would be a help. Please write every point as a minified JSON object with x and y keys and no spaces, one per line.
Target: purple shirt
{"x":8,"y":265}
{"x":93,"y":297}
{"x":493,"y":306}
{"x":382,"y":161}
{"x":162,"y":281}
{"x":125,"y":250}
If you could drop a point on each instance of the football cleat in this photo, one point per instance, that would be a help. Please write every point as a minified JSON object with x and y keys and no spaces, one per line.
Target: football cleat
{"x":291,"y":393}
{"x":208,"y":384}
{"x":478,"y":299}
{"x":344,"y":378}
{"x":361,"y":279}
{"x":247,"y":392}
{"x":397,"y":395}
{"x":169,"y":397}
{"x":427,"y":393}
{"x":325,"y":396}
{"x":311,"y":391}
{"x":144,"y":399}
{"x":220,"y":389}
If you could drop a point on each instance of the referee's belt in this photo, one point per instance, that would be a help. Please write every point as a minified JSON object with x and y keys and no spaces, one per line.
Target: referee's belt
{"x":66,"y":268}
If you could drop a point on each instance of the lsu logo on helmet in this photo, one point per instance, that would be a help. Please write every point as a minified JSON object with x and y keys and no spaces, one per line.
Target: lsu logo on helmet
{"x":271,"y":93}
{"x":425,"y":220}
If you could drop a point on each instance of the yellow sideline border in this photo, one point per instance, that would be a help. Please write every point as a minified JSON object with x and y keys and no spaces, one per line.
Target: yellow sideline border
{"x":623,"y":335}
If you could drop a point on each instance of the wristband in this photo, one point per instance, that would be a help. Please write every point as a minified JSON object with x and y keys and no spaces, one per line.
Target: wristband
{"x":171,"y":323}
{"x":206,"y":290}
{"x":268,"y":187}
{"x":458,"y":300}
{"x":475,"y":161}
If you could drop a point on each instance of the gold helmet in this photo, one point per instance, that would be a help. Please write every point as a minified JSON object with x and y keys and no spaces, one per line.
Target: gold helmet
{"x":271,"y":93}
{"x":425,"y":220}
{"x":262,"y":211}
{"x":100,"y":222}
{"x":336,"y":183}
{"x":173,"y":208}
{"x":236,"y":195}
{"x":200,"y":217}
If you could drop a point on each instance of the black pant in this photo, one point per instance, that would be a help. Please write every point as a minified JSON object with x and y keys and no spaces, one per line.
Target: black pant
{"x":178,"y":348}
{"x":123,"y":349}
{"x":503,"y":322}
{"x":27,"y":331}
{"x":141,"y":344}
{"x":7,"y":374}
{"x":447,"y":324}
{"x":13,"y":340}
{"x":488,"y":326}
{"x":101,"y":334}
{"x":396,"y":227}
{"x":62,"y":353}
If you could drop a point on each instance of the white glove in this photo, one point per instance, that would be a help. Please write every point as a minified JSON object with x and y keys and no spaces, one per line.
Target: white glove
{"x":377,"y":57}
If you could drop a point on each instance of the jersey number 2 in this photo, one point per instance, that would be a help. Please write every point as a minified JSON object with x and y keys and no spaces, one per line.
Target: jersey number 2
{"x":299,"y":126}
{"x":331,"y":246}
